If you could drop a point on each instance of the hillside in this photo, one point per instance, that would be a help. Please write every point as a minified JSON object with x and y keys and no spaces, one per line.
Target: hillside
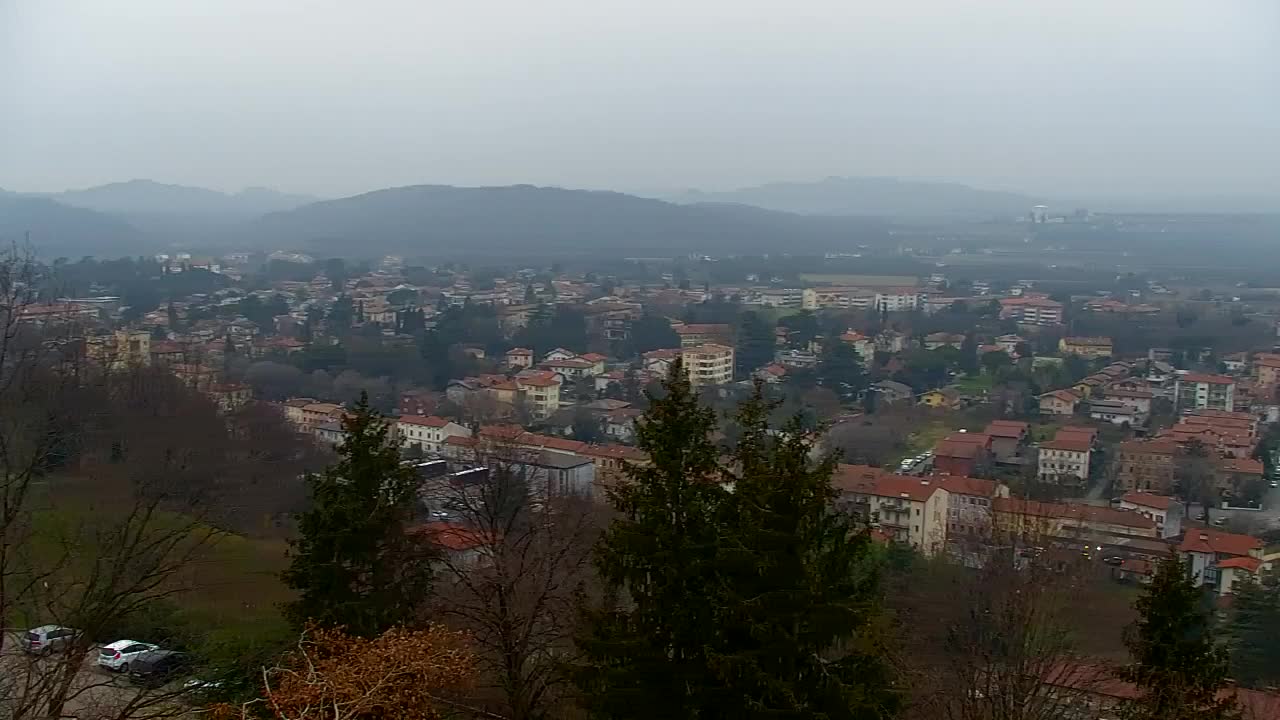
{"x":883,"y":197}
{"x":147,"y":197}
{"x":58,"y":229}
{"x":435,"y":219}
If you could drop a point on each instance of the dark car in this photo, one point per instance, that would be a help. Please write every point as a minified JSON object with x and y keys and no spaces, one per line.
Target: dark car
{"x":157,"y":667}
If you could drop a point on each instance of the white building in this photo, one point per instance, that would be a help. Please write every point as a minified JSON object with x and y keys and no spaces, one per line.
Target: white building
{"x":428,"y":432}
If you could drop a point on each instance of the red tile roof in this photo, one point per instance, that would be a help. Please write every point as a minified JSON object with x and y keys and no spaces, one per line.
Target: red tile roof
{"x":961,"y":485}
{"x":1207,"y":378}
{"x":1244,"y":563}
{"x":452,"y":536}
{"x":1073,"y":511}
{"x":1242,"y":465}
{"x":428,"y":421}
{"x":1158,"y":502}
{"x":904,"y":486}
{"x":1006,"y":428}
{"x":1208,"y":540}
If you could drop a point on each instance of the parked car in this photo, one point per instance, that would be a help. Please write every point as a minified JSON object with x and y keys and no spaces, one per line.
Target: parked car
{"x":47,"y":639}
{"x":119,"y":654}
{"x":154,"y":668}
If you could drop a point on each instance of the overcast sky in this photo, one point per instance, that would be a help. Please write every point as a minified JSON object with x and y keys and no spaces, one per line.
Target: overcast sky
{"x":340,"y":97}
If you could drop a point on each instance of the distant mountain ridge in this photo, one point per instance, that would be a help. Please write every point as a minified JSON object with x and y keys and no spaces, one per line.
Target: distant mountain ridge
{"x":874,"y":196}
{"x":524,"y":218}
{"x":57,"y":229}
{"x":148,"y":197}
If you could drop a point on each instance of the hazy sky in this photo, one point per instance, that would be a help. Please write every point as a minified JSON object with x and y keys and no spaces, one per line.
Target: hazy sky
{"x":340,"y":97}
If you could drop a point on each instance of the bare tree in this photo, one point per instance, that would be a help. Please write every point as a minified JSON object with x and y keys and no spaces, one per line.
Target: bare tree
{"x":521,"y":556}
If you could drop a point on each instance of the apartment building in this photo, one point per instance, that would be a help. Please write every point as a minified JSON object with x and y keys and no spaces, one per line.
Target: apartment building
{"x":1200,"y":391}
{"x":1031,"y":310}
{"x":899,"y":299}
{"x":703,"y":333}
{"x":1065,"y":459}
{"x":708,"y":364}
{"x":1015,"y":517}
{"x":969,"y":505}
{"x":427,"y":432}
{"x":540,"y":391}
{"x":910,"y":510}
{"x":1219,"y":559}
{"x":1146,"y":465}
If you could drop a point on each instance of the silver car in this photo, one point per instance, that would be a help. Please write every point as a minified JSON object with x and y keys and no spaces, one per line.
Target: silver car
{"x":48,"y":639}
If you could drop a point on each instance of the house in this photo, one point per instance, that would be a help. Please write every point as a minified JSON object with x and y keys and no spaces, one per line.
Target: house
{"x":620,"y":424}
{"x":1146,"y":466}
{"x":573,"y":368}
{"x":659,"y":361}
{"x":1136,"y":399}
{"x":891,"y":391}
{"x":228,"y":396}
{"x":1114,"y":412}
{"x":863,"y":345}
{"x":1086,"y":692}
{"x":330,"y":432}
{"x":1085,"y":347}
{"x":772,"y":373}
{"x":934,"y":341}
{"x":1008,"y":438}
{"x":1197,"y":391}
{"x":519,"y":358}
{"x":1205,"y":550}
{"x":911,"y":510}
{"x":558,"y":354}
{"x":428,"y":433}
{"x":316,"y":413}
{"x":1009,"y":343}
{"x":461,"y":546}
{"x":1059,"y":402}
{"x":891,"y":341}
{"x":1064,"y":459}
{"x":1266,"y":368}
{"x":946,"y":398}
{"x":962,"y":454}
{"x":1162,"y":509}
{"x":293,"y":410}
{"x":1238,"y":476}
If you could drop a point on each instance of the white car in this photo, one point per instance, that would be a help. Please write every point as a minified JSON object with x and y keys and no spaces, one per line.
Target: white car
{"x":118,"y":654}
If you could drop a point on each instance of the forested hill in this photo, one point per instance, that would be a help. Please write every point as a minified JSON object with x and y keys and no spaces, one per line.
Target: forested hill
{"x":432,"y":219}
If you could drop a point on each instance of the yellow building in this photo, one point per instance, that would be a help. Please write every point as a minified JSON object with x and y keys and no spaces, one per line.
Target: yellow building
{"x":1085,"y":347}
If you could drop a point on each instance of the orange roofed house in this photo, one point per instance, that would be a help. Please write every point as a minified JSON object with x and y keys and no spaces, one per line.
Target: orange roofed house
{"x":1220,"y":559}
{"x":911,"y":510}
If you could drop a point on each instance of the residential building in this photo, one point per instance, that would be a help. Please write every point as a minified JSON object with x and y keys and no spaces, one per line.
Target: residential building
{"x":1059,"y":402}
{"x":1146,"y":465}
{"x":899,"y":299}
{"x":1266,"y":368}
{"x":910,"y":510}
{"x":1198,"y":391}
{"x":540,"y":391}
{"x":1240,"y":477}
{"x":1163,"y":510}
{"x":969,"y":505}
{"x":891,"y":341}
{"x":1008,"y":438}
{"x":947,"y":398}
{"x":1218,"y":559}
{"x":1064,"y":459}
{"x":1009,"y":343}
{"x":1114,"y":412}
{"x":891,"y":391}
{"x":428,"y":433}
{"x":1085,"y":347}
{"x":1136,"y":399}
{"x":934,"y":341}
{"x":863,"y":345}
{"x":318,"y":413}
{"x":121,"y":349}
{"x":293,"y":410}
{"x":703,"y":333}
{"x":556,"y":474}
{"x":519,"y":358}
{"x":1032,"y":520}
{"x":330,"y":432}
{"x":708,"y":364}
{"x":962,"y":454}
{"x":1036,"y":310}
{"x":462,"y":547}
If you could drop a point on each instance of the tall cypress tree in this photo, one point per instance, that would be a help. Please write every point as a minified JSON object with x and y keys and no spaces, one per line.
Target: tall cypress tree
{"x":798,"y":588}
{"x":1254,"y":630}
{"x":354,"y":564}
{"x":1176,"y":665}
{"x":646,"y":650}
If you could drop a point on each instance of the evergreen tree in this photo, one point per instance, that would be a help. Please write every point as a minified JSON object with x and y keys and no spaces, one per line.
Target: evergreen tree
{"x":1254,"y":629}
{"x":1176,"y":665}
{"x":755,"y":344}
{"x":646,"y":655}
{"x":841,"y":369}
{"x":354,"y":564}
{"x":798,"y":586}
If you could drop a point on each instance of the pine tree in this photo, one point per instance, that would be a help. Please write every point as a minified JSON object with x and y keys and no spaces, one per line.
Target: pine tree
{"x":1176,"y":665}
{"x":797,"y":586}
{"x":755,"y":344}
{"x":1254,"y":630}
{"x":355,"y":565}
{"x":646,"y":653}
